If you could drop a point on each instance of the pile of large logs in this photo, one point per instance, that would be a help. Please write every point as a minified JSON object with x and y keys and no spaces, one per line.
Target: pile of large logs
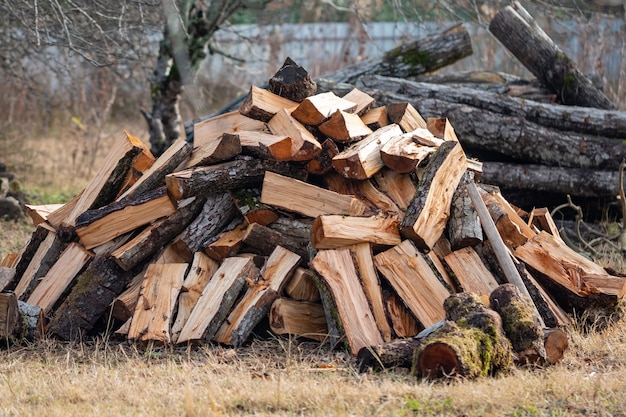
{"x":330,"y":218}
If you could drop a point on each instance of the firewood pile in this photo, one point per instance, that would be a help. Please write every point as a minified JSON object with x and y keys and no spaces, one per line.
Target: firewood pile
{"x":329,"y":217}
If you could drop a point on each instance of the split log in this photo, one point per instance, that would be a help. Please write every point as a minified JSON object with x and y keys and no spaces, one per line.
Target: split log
{"x":334,"y":231}
{"x":314,"y":110}
{"x":520,"y":34}
{"x":106,"y":182}
{"x":39,"y":213}
{"x":241,"y":173}
{"x":174,"y":156}
{"x":362,"y":160}
{"x":248,"y":202}
{"x":220,"y":149}
{"x":405,"y":116}
{"x":19,"y":322}
{"x":427,"y":54}
{"x":512,"y":229}
{"x":471,"y":273}
{"x":363,"y":257}
{"x":217,"y":298}
{"x":542,"y":219}
{"x":520,"y":325}
{"x":59,"y":278}
{"x":258,"y":298}
{"x":441,"y":128}
{"x":263,"y":145}
{"x":399,"y":187}
{"x":364,"y":101}
{"x":301,"y":286}
{"x":306,"y":199}
{"x":264,"y":240}
{"x":201,"y":271}
{"x":95,"y":227}
{"x":89,"y":299}
{"x":410,"y":276}
{"x":47,"y":254}
{"x":322,"y":163}
{"x":401,"y":154}
{"x":157,"y":235}
{"x":261,"y":104}
{"x":9,"y":315}
{"x":376,"y":118}
{"x":298,"y":230}
{"x":345,"y":127}
{"x":403,"y":322}
{"x":6,"y":276}
{"x":123,"y":306}
{"x":299,"y":318}
{"x":337,"y":269}
{"x":395,"y":354}
{"x":304,"y":146}
{"x":217,"y":212}
{"x":227,"y":243}
{"x":25,"y":256}
{"x":157,"y":300}
{"x":426,"y":217}
{"x":292,"y":82}
{"x":211,"y":129}
{"x":464,"y":226}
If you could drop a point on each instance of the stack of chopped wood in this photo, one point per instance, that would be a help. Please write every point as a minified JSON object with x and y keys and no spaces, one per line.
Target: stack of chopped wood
{"x":328,"y":218}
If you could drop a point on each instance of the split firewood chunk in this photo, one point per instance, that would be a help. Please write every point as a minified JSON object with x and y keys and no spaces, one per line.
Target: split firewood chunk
{"x":172,"y":158}
{"x":399,"y":187}
{"x":402,"y":154}
{"x":96,"y":227}
{"x":227,"y":243}
{"x":201,"y":271}
{"x":216,"y":300}
{"x":306,"y":199}
{"x":345,"y":127}
{"x":362,"y":253}
{"x":248,"y":201}
{"x":292,"y":82}
{"x":441,"y":128}
{"x":403,"y":322}
{"x":263,"y":241}
{"x":304,"y":146}
{"x":513,"y":230}
{"x":142,"y":163}
{"x":362,"y":160}
{"x":464,"y":226}
{"x":6,"y":276}
{"x":300,"y":318}
{"x":376,"y":118}
{"x":39,"y":213}
{"x":363,"y":101}
{"x":301,"y":286}
{"x":219,"y":149}
{"x":107,"y":181}
{"x":380,"y":201}
{"x":123,"y":306}
{"x":9,"y":261}
{"x":46,"y":255}
{"x":209,"y":130}
{"x":261,"y":104}
{"x":322,"y":163}
{"x":336,"y":268}
{"x":265,"y":145}
{"x":425,"y":137}
{"x":409,"y":274}
{"x":258,"y":298}
{"x":406,"y":116}
{"x":471,"y":272}
{"x":157,"y":302}
{"x":60,"y":277}
{"x":428,"y":213}
{"x":9,"y":315}
{"x":315,"y":109}
{"x":542,"y":218}
{"x":334,"y":231}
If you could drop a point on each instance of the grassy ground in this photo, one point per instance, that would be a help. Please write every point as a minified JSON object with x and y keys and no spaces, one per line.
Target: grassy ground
{"x":269,"y":377}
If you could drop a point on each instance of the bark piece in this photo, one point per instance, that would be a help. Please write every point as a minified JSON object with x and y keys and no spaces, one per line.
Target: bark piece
{"x":405,"y":116}
{"x":395,"y":354}
{"x":258,"y":298}
{"x":89,"y":299}
{"x":106,"y":182}
{"x":6,"y":276}
{"x":362,"y":253}
{"x":471,"y":272}
{"x":265,"y":145}
{"x":292,"y":81}
{"x":409,"y":274}
{"x":426,"y":54}
{"x":376,"y":118}
{"x":300,"y":318}
{"x":334,"y":231}
{"x":337,"y":269}
{"x":9,"y":315}
{"x":426,"y":216}
{"x":520,"y":34}
{"x":261,"y":104}
{"x":363,"y":101}
{"x":219,"y":149}
{"x":210,"y":130}
{"x":301,"y":286}
{"x":157,"y":235}
{"x":362,"y":160}
{"x":345,"y":127}
{"x":123,"y":306}
{"x":19,"y":322}
{"x":306,"y":199}
{"x":241,"y":173}
{"x":315,"y":109}
{"x":60,"y":276}
{"x":157,"y":299}
{"x":464,"y":226}
{"x":402,"y":154}
{"x":304,"y":146}
{"x":216,"y":300}
{"x":96,"y":227}
{"x":264,"y":241}
{"x":201,"y":271}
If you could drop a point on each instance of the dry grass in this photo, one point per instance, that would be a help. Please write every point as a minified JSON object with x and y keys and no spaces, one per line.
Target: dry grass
{"x":269,"y":377}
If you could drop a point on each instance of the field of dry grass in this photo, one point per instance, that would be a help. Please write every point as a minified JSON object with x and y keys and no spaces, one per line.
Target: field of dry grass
{"x":269,"y":377}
